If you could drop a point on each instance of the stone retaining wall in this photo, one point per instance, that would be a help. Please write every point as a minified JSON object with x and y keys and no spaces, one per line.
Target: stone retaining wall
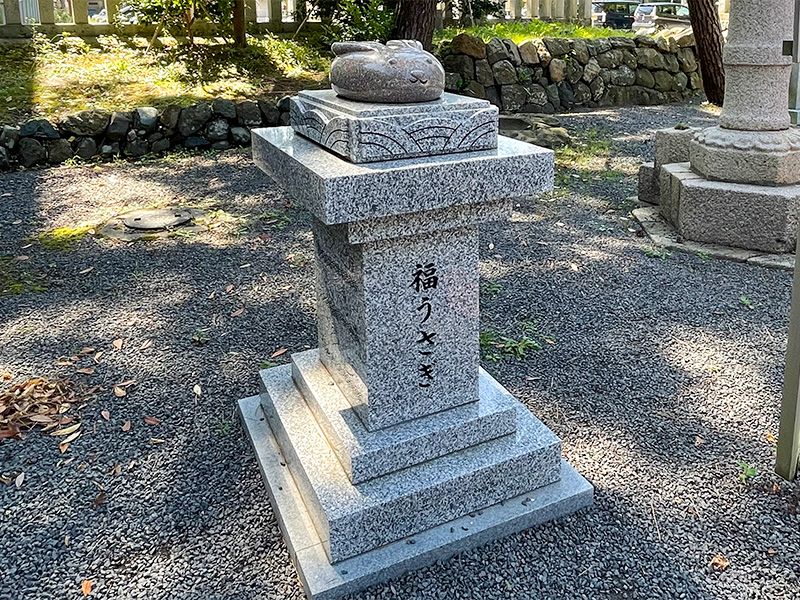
{"x":556,"y":74}
{"x":219,"y":125}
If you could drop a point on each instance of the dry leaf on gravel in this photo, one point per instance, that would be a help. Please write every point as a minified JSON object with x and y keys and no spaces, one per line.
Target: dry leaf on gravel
{"x":277,"y":353}
{"x":5,"y":375}
{"x":87,"y":371}
{"x":197,"y":390}
{"x":229,"y":289}
{"x":147,"y":343}
{"x":87,"y":350}
{"x":97,"y":357}
{"x":86,"y":587}
{"x":34,"y":402}
{"x":719,"y":562}
{"x":86,"y":271}
{"x":106,"y":415}
{"x":237,"y":313}
{"x":119,"y":392}
{"x":771,"y":438}
{"x":18,"y":481}
{"x":126,"y":426}
{"x":118,"y":343}
{"x":152,"y":420}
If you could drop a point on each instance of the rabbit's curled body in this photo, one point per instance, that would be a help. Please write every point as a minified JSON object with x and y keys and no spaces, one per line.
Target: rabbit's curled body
{"x":400,"y":71}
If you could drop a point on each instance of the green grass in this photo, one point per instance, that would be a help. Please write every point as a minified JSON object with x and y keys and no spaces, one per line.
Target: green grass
{"x":519,"y":32}
{"x":16,"y":280}
{"x":63,"y":75}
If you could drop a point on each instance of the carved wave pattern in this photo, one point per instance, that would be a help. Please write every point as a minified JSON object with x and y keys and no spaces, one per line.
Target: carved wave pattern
{"x":380,"y":140}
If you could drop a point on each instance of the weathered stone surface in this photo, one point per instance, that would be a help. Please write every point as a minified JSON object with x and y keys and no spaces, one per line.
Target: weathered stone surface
{"x":169,"y":116}
{"x":109,"y":150}
{"x":461,"y":64}
{"x":137,"y":148}
{"x":197,"y":142}
{"x":662,"y":45}
{"x":650,"y":58}
{"x":270,"y":113}
{"x":474,"y":90}
{"x":680,"y":82}
{"x":621,"y":42}
{"x":224,"y":108}
{"x":192,"y":118}
{"x":610,"y":60}
{"x":31,"y":152}
{"x":645,"y":78}
{"x":580,"y":50}
{"x":217,"y":130}
{"x":453,"y":82}
{"x":146,"y":118}
{"x":483,"y":72}
{"x":493,"y":96}
{"x":672,"y":145}
{"x":160,"y":146}
{"x":687,"y":60}
{"x":557,"y":70}
{"x":671,"y":62}
{"x":536,"y":94}
{"x":645,"y":40}
{"x":496,"y":51}
{"x":529,"y":53}
{"x":598,"y":88}
{"x":552,"y":94}
{"x":574,"y":71}
{"x":663,"y":81}
{"x":5,"y":158}
{"x":602,"y":45}
{"x":629,"y":59}
{"x":695,"y":80}
{"x":556,"y":46}
{"x":85,"y":123}
{"x":240,"y":135}
{"x":648,"y":184}
{"x":248,"y":114}
{"x":467,"y":44}
{"x":58,"y":151}
{"x":9,"y":136}
{"x":623,"y":76}
{"x":86,"y":148}
{"x":504,"y":72}
{"x":544,"y":54}
{"x":221,"y":145}
{"x":513,"y":97}
{"x":591,"y":70}
{"x":566,"y":94}
{"x":583,"y":94}
{"x":513,"y":52}
{"x":39,"y":128}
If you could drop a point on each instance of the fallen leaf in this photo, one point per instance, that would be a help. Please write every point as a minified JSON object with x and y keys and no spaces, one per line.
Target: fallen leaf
{"x":63,"y":447}
{"x":771,"y":438}
{"x":67,"y":430}
{"x":100,"y":498}
{"x":147,"y":343}
{"x":126,"y":426}
{"x":72,"y":437}
{"x":126,"y":383}
{"x":18,"y":481}
{"x":156,"y":441}
{"x":66,"y":540}
{"x":106,"y":415}
{"x":719,"y":562}
{"x":152,"y":420}
{"x":5,"y":376}
{"x":197,"y":390}
{"x":64,"y":363}
{"x":131,"y":465}
{"x":97,"y":357}
{"x":115,"y":470}
{"x":245,"y":266}
{"x":23,"y":257}
{"x":228,"y":289}
{"x":86,"y":587}
{"x":41,"y":419}
{"x":237,"y":313}
{"x":277,"y":353}
{"x":698,"y":441}
{"x":118,"y":343}
{"x":119,"y":392}
{"x":86,"y":271}
{"x":87,"y":371}
{"x":772,"y":551}
{"x":87,"y":350}
{"x":211,"y":295}
{"x":573,"y":267}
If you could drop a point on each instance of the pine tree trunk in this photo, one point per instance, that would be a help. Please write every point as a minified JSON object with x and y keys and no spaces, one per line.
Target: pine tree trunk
{"x":708,"y":38}
{"x":416,"y":20}
{"x":239,"y":34}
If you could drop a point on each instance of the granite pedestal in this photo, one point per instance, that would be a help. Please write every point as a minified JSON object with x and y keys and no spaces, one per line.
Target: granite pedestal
{"x":388,"y":447}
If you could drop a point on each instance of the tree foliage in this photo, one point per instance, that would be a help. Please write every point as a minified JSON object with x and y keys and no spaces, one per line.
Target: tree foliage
{"x":179,"y":16}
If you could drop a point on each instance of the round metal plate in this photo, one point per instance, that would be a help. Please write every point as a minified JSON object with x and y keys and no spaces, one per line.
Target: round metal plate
{"x":157,"y":218}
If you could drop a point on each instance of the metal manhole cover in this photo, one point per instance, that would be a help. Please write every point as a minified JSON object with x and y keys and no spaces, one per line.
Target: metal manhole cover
{"x":157,"y":218}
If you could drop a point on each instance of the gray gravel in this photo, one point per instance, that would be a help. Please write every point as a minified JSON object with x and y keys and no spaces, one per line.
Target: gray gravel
{"x":649,"y":355}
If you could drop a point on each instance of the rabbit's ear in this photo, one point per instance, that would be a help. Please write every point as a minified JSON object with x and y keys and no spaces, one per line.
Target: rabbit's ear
{"x":404,"y":44}
{"x":342,"y":48}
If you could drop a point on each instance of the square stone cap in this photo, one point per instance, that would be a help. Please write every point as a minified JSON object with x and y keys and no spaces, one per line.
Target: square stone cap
{"x":448,"y":102}
{"x":338,"y":191}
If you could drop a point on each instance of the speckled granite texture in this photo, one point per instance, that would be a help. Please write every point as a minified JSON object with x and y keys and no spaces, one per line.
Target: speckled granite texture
{"x":324,"y":581}
{"x":365,"y":455}
{"x":365,"y":132}
{"x":398,"y":349}
{"x":353,"y":519}
{"x":338,"y":191}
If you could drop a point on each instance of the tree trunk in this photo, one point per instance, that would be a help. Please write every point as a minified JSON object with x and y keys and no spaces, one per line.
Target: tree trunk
{"x":416,"y":20}
{"x":708,"y":38}
{"x":239,"y":34}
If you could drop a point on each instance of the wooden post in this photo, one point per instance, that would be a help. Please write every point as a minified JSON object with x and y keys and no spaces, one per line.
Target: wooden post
{"x":572,"y":10}
{"x":547,"y":13}
{"x":12,"y":12}
{"x":112,"y":7}
{"x":275,"y":14}
{"x":80,"y":12}
{"x":558,"y":10}
{"x":789,"y":434}
{"x":586,"y":13}
{"x":46,"y":12}
{"x":515,"y":8}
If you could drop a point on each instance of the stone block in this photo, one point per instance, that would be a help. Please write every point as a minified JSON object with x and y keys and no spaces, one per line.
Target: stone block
{"x":352,"y":520}
{"x":504,"y":72}
{"x":363,"y":132}
{"x":672,"y":145}
{"x":334,"y":190}
{"x":365,"y":455}
{"x":324,"y":581}
{"x":648,"y":183}
{"x":762,"y":218}
{"x":529,"y":53}
{"x":669,"y":179}
{"x":85,"y":123}
{"x":467,"y":44}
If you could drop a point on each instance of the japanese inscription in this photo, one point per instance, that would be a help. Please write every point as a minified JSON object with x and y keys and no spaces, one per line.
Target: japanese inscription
{"x":424,"y":282}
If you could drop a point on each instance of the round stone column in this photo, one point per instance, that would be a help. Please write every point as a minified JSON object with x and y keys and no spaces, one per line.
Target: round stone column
{"x":753,"y":142}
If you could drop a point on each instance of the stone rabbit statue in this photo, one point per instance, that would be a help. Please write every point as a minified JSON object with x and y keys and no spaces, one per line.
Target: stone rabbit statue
{"x":400,"y":71}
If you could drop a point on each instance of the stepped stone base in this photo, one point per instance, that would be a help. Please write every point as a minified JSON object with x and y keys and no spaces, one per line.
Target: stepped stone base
{"x":309,"y":550}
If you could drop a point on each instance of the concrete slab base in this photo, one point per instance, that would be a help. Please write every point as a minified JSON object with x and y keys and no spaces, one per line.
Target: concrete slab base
{"x":662,"y":234}
{"x":323,"y":581}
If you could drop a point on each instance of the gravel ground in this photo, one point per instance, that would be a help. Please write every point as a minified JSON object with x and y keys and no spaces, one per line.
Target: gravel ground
{"x":654,"y":373}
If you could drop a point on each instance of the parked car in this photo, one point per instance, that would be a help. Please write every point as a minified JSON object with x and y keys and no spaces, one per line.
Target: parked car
{"x":615,"y":15}
{"x":660,"y":15}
